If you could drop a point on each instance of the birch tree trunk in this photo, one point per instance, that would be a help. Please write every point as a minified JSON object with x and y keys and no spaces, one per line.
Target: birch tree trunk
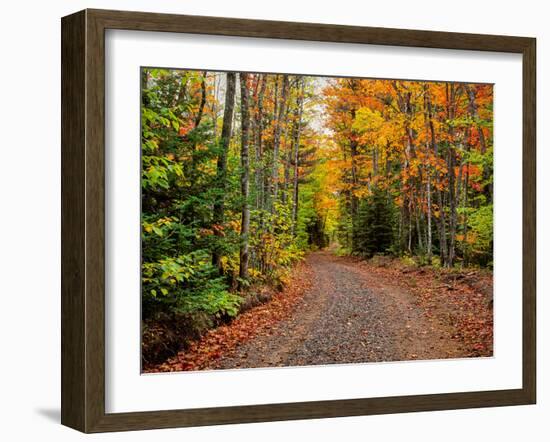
{"x":428,"y":182}
{"x":245,"y":165}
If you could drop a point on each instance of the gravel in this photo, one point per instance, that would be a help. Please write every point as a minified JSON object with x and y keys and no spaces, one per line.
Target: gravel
{"x":347,"y":316}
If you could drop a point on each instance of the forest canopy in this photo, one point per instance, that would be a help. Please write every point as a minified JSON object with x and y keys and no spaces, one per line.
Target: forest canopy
{"x":244,"y":173}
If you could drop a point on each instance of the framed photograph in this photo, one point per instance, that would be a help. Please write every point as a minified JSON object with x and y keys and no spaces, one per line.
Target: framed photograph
{"x":266,"y":221}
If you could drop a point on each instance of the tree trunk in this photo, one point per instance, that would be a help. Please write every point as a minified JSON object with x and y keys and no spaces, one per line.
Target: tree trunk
{"x":353,"y":197}
{"x":258,"y":176}
{"x":144,"y":86}
{"x":197,"y":121}
{"x":215,"y":106}
{"x":417,"y":214}
{"x":429,"y":220}
{"x":465,"y":225}
{"x":203,"y":99}
{"x":277,"y":142}
{"x":353,"y":154}
{"x":472,"y":109}
{"x":441,"y":220}
{"x":218,"y":209}
{"x":267,"y":172}
{"x":181,"y":95}
{"x":287,"y":154}
{"x":428,"y":181}
{"x":404,"y":104}
{"x":245,"y":165}
{"x":296,"y":154}
{"x":451,"y":93}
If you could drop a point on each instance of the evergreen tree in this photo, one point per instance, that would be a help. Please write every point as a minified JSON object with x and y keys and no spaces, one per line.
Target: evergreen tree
{"x":374,"y":224}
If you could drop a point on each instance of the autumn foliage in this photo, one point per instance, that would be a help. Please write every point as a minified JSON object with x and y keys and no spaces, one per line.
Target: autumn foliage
{"x":428,"y":146}
{"x":243,"y":174}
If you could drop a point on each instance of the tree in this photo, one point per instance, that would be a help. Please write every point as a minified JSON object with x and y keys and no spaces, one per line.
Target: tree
{"x":375,"y":224}
{"x":277,"y":142}
{"x":261,"y":85}
{"x":295,"y":152}
{"x":429,"y":145}
{"x":237,"y":186}
{"x":245,"y":164}
{"x":218,"y":212}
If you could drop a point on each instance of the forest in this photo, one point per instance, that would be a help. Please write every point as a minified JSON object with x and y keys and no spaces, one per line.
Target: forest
{"x":245,"y":174}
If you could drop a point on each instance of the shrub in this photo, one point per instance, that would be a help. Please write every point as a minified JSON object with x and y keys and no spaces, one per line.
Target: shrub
{"x":186,"y":284}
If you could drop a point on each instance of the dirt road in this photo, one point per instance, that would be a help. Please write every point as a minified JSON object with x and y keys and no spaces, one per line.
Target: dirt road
{"x":347,"y":316}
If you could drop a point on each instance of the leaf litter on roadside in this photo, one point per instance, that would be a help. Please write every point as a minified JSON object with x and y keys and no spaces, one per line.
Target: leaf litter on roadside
{"x":222,"y":340}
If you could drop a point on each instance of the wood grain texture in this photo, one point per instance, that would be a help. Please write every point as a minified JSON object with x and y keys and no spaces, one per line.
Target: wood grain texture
{"x":73,"y":253}
{"x":95,"y":222}
{"x":529,"y":220}
{"x":144,"y":21}
{"x":83,"y":218}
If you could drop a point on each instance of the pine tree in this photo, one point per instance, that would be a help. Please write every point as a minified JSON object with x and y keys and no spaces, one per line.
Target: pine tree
{"x":375,"y":219}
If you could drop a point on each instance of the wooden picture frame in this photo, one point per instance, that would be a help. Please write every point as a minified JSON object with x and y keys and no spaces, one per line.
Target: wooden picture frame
{"x":83,"y":217}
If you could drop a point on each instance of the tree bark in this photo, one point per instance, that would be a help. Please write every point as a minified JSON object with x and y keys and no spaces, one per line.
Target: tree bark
{"x":353,"y":197}
{"x":259,"y":176}
{"x":428,"y":181}
{"x":441,"y":220}
{"x":218,"y":209}
{"x":215,"y":106}
{"x":277,"y":142}
{"x":451,"y":99}
{"x":296,"y":155}
{"x":198,"y":118}
{"x":245,"y":165}
{"x":144,"y":86}
{"x":353,"y":154}
{"x":197,"y":121}
{"x":429,"y":220}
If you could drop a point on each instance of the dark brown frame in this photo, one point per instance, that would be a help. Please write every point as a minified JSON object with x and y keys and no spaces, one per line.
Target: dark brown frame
{"x":83,"y":215}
